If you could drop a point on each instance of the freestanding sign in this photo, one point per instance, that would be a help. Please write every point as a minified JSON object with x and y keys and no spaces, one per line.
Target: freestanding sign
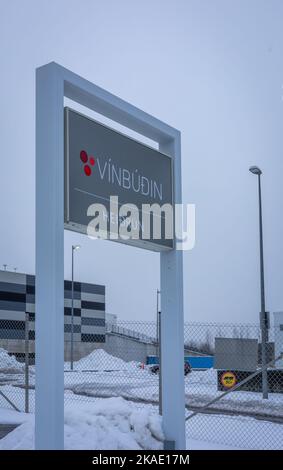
{"x":101,"y":162}
{"x":53,"y":83}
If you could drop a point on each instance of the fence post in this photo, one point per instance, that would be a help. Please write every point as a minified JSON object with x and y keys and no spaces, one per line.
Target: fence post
{"x":158,"y":349}
{"x":160,"y":368}
{"x":27,"y":363}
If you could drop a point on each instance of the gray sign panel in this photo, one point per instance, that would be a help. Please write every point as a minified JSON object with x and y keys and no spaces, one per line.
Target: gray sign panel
{"x":236,"y":354}
{"x":99,"y":163}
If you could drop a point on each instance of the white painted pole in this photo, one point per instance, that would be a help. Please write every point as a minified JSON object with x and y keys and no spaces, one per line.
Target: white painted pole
{"x":49,"y":316}
{"x":53,"y":82}
{"x":172,"y":325}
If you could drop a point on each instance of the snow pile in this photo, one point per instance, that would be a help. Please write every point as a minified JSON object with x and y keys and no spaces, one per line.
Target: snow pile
{"x":208,"y":377}
{"x":108,"y":424}
{"x":9,"y":363}
{"x":100,"y":360}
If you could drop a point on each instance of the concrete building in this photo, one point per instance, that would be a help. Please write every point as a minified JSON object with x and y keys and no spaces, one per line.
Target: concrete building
{"x":17,"y":307}
{"x":93,"y":328}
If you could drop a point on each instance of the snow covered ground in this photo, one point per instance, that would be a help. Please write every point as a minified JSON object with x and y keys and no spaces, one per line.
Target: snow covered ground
{"x":193,"y":444}
{"x":111,"y":423}
{"x":108,"y":424}
{"x":100,"y":376}
{"x":203,"y":431}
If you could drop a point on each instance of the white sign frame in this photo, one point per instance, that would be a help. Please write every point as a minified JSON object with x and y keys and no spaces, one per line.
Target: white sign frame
{"x":53,"y":83}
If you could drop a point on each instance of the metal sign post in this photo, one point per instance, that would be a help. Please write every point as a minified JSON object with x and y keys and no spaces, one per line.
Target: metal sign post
{"x":53,"y":82}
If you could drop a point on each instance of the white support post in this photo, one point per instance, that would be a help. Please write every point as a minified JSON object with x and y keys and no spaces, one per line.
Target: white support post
{"x":49,"y":312}
{"x":53,"y":82}
{"x":172,"y":324}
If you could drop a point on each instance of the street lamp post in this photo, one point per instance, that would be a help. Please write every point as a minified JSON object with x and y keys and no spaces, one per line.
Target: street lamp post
{"x":158,"y":335}
{"x":74,"y":248}
{"x":263,"y":314}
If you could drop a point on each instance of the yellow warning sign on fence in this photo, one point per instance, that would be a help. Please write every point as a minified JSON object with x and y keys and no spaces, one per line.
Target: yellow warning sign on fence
{"x":228,"y":379}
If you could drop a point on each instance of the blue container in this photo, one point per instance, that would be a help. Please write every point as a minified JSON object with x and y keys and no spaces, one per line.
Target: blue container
{"x":200,"y":362}
{"x":150,"y":360}
{"x":196,"y":362}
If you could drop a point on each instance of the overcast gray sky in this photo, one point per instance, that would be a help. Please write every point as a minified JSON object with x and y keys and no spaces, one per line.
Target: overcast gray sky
{"x":213,"y":69}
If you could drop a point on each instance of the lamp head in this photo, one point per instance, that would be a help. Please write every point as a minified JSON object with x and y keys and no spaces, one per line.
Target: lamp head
{"x":255,"y":170}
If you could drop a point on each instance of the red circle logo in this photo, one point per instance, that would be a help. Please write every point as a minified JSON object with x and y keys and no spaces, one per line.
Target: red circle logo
{"x":86,"y":159}
{"x":87,"y":170}
{"x":83,"y":156}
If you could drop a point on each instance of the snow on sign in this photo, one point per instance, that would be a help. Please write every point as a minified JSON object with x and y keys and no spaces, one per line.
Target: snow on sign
{"x":105,"y":167}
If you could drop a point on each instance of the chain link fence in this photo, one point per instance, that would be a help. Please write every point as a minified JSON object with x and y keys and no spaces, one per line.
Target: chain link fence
{"x":127,"y":365}
{"x":17,"y":363}
{"x":241,"y":419}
